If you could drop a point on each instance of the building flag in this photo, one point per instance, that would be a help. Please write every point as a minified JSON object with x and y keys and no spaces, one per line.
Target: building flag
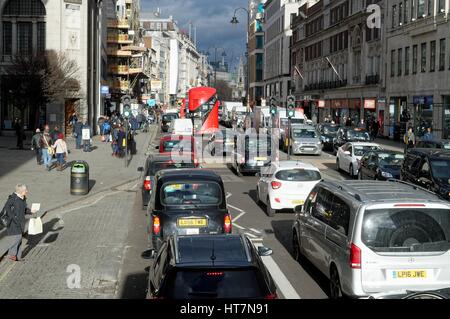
{"x":298,"y":72}
{"x":334,"y":69}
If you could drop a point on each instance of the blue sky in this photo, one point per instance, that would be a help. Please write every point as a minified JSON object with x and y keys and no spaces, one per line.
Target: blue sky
{"x":212,"y":19}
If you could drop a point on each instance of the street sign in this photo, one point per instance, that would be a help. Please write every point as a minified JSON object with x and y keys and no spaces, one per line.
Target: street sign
{"x":104,"y":89}
{"x":151,"y":102}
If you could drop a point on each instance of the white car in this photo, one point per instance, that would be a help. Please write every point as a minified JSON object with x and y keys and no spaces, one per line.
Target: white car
{"x":349,"y":155}
{"x":286,"y":184}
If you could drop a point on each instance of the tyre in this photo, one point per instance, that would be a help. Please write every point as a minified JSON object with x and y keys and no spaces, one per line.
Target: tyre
{"x":350,"y":171}
{"x":238,"y":172}
{"x":338,"y":168}
{"x":269,"y":210}
{"x":296,"y":248}
{"x":360,"y":177}
{"x":258,"y":200}
{"x":335,"y":284}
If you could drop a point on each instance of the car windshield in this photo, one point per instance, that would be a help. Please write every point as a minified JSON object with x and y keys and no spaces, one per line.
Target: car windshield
{"x":298,"y":175}
{"x":285,"y":121}
{"x":304,"y":133}
{"x":359,"y":135}
{"x":330,"y":130}
{"x":215,"y":283}
{"x":191,"y":193}
{"x":184,"y":145}
{"x":441,"y":170}
{"x":157,"y":166}
{"x":361,"y":150}
{"x":297,"y":121}
{"x":407,"y":230}
{"x":262,"y":145}
{"x":169,"y":117}
{"x":391,"y":159}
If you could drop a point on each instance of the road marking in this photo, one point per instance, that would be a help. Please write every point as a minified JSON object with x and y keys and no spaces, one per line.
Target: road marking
{"x":251,"y":235}
{"x":255,"y":231}
{"x":278,"y":276}
{"x":240,"y":227}
{"x":238,"y":216}
{"x":229,"y":195}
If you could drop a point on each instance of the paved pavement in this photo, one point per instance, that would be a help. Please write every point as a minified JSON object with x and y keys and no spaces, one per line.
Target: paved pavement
{"x":52,"y":189}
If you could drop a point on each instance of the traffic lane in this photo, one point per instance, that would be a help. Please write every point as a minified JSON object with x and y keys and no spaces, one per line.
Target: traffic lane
{"x":276,"y":233}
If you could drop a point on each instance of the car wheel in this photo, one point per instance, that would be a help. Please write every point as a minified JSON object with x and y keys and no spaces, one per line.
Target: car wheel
{"x":335,"y":284}
{"x":296,"y":248}
{"x":350,"y":171}
{"x":360,"y":177}
{"x":258,"y":200}
{"x":338,"y":168}
{"x":238,"y":172}
{"x":270,"y":211}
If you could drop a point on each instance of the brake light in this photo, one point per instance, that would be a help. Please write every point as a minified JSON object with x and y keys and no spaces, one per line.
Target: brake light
{"x":215,"y":274}
{"x":355,"y":257}
{"x":195,"y":162}
{"x":409,"y":205}
{"x":275,"y":185}
{"x":277,"y":200}
{"x":227,"y":224}
{"x":147,"y":183}
{"x":271,"y":296}
{"x":156,"y":225}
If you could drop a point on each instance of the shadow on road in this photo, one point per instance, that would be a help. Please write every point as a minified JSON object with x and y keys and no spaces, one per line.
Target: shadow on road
{"x":283,"y":233}
{"x":34,"y":240}
{"x":332,"y":166}
{"x":135,"y":286}
{"x":92,"y":183}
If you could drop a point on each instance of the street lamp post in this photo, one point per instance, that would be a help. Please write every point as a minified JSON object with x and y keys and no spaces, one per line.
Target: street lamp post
{"x":235,"y":21}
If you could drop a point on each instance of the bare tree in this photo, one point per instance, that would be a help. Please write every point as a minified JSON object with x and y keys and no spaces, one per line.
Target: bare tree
{"x":224,"y":90}
{"x":35,"y":80}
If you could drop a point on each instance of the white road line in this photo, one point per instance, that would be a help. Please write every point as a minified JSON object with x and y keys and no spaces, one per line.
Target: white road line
{"x":255,"y":231}
{"x":229,"y":195}
{"x":236,"y":208}
{"x":240,"y":227}
{"x":238,"y":216}
{"x":280,"y":279}
{"x":251,"y":235}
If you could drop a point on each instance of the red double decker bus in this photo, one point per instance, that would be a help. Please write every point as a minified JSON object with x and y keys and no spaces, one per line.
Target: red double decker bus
{"x":204,"y":109}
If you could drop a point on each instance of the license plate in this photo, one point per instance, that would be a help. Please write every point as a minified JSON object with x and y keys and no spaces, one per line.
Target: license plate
{"x":308,"y":148}
{"x":192,"y":222}
{"x":298,"y":202}
{"x":260,"y":158}
{"x":409,"y":274}
{"x":192,"y":231}
{"x":260,"y":163}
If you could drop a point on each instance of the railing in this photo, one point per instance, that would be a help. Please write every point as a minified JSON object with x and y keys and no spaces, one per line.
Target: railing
{"x":372,"y":79}
{"x":326,"y":85}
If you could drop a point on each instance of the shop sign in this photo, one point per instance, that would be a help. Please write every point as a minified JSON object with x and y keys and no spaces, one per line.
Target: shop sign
{"x":370,"y":104}
{"x":321,"y":104}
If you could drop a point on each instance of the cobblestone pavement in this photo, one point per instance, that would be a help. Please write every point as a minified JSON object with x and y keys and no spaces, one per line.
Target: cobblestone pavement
{"x":89,"y":235}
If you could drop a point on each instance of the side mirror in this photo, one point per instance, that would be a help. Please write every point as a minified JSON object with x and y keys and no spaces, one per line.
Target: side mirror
{"x":264,"y":251}
{"x":298,"y":209}
{"x":140,"y":169}
{"x":149,"y":254}
{"x":156,"y":147}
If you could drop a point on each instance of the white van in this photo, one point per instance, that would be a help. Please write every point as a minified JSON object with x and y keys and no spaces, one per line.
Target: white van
{"x":182,"y":127}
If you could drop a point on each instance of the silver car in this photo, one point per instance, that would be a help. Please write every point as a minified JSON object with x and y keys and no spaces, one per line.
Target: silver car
{"x":306,"y":140}
{"x":372,"y":237}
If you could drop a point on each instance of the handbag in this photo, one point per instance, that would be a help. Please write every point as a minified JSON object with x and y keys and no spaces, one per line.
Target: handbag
{"x":50,"y":149}
{"x":35,"y":226}
{"x":4,"y":219}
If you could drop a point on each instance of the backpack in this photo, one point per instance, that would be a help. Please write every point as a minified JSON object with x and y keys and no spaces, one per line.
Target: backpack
{"x":106,"y":126}
{"x":4,"y":218}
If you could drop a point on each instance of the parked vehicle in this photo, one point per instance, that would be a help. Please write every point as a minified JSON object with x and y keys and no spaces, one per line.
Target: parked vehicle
{"x":153,"y":165}
{"x":305,"y":140}
{"x":205,"y":266}
{"x":381,"y":165}
{"x":438,"y":143}
{"x":347,"y":134}
{"x":251,"y":153}
{"x":286,"y":184}
{"x":428,"y":168}
{"x":328,"y":133}
{"x":372,"y":237}
{"x":187,"y":202}
{"x":349,"y":155}
{"x":182,"y":127}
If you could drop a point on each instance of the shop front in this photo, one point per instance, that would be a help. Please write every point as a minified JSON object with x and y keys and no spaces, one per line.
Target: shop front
{"x":400,"y":116}
{"x":423,"y":113}
{"x":342,"y":109}
{"x":370,"y":110}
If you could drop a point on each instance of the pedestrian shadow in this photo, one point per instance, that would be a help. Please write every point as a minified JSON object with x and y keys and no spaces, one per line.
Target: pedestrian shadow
{"x":283,"y":233}
{"x":135,"y":286}
{"x":34,"y":240}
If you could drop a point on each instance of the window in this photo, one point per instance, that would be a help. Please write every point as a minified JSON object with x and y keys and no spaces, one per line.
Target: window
{"x":413,"y":9}
{"x":407,"y":49}
{"x":420,"y":9}
{"x":24,"y":8}
{"x":41,"y":36}
{"x":392,"y":63}
{"x":340,"y":219}
{"x":7,"y":38}
{"x":323,"y":206}
{"x":423,"y":57}
{"x":394,"y":14}
{"x":430,"y":7}
{"x":24,"y":38}
{"x":400,"y":13}
{"x":441,"y":54}
{"x":441,"y":4}
{"x":415,"y":53}
{"x":432,"y":56}
{"x":406,"y":13}
{"x":400,"y":63}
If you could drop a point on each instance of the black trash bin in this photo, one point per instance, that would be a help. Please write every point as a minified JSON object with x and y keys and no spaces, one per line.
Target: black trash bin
{"x":79,"y":178}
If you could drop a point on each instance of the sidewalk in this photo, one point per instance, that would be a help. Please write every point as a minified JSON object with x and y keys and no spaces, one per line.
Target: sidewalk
{"x":390,"y":144}
{"x":52,"y":189}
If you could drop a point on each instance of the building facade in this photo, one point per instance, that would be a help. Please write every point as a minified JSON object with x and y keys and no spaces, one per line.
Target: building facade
{"x":418,"y":59}
{"x":70,"y":27}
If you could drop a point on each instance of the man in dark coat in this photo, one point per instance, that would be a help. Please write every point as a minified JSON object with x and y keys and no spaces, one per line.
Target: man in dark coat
{"x":77,"y":131}
{"x":16,"y":208}
{"x":18,"y":127}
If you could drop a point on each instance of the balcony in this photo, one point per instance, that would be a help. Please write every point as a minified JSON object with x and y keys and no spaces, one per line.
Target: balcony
{"x":118,"y":24}
{"x":118,"y":69}
{"x":326,"y":85}
{"x":135,"y":70}
{"x":119,"y":38}
{"x":372,"y":79}
{"x":118,"y":53}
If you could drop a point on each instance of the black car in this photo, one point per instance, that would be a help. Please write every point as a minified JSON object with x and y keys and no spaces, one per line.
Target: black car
{"x":153,"y":165}
{"x":251,"y":153}
{"x":381,"y":165}
{"x":166,"y":120}
{"x":437,"y":143}
{"x":428,"y":168}
{"x":210,"y":266}
{"x":187,"y":202}
{"x":348,"y":134}
{"x":328,"y":133}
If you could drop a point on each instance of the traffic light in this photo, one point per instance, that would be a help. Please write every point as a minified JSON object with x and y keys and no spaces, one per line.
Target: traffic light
{"x":291,"y":106}
{"x":273,"y":106}
{"x":126,"y":101}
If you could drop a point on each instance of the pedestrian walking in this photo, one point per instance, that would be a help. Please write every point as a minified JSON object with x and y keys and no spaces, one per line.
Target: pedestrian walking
{"x":375,"y":129}
{"x":16,"y":210}
{"x":47,"y":151}
{"x":73,"y":119}
{"x":60,"y":147}
{"x":20,"y":133}
{"x":55,"y":133}
{"x":409,"y":139}
{"x":121,"y":142}
{"x":106,"y":130}
{"x":428,"y":136}
{"x":78,"y":134}
{"x":36,"y":146}
{"x":87,"y":135}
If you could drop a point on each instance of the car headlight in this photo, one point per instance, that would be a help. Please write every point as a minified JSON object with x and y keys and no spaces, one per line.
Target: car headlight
{"x":386,"y":175}
{"x":319,"y":143}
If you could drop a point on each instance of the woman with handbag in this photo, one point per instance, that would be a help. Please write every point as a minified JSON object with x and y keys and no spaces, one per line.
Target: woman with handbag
{"x":60,"y":147}
{"x":47,"y":150}
{"x":16,"y":208}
